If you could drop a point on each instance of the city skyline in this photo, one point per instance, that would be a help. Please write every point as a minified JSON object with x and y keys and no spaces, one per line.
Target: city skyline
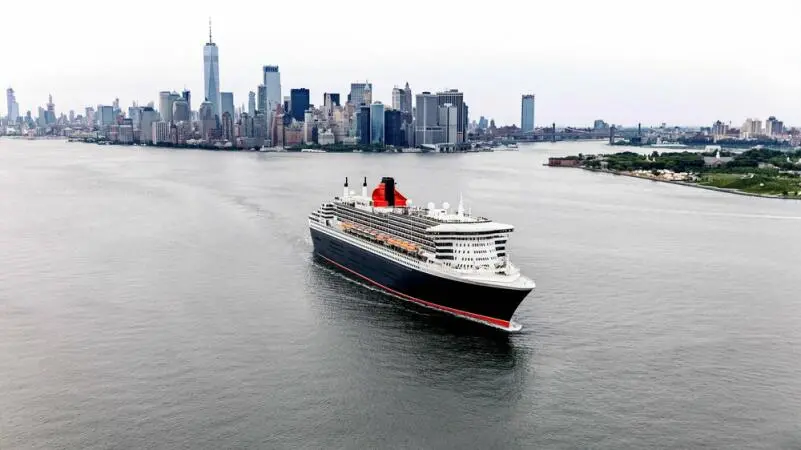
{"x":623,"y":74}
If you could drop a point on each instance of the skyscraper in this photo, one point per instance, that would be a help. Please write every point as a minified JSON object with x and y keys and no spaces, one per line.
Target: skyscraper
{"x":527,"y":114}
{"x":402,"y":99}
{"x":272,"y":81}
{"x":397,"y":95}
{"x":211,"y":73}
{"x":261,"y":99}
{"x":448,"y":118}
{"x":208,"y":123}
{"x":187,"y":95}
{"x":13,"y":106}
{"x":180,"y":111}
{"x":227,"y":103}
{"x":456,"y":98}
{"x":427,"y":118}
{"x":330,"y":100}
{"x":251,"y":103}
{"x":164,"y":106}
{"x":363,"y":125}
{"x":406,"y":99}
{"x":393,"y":133}
{"x":298,"y":103}
{"x":356,"y":96}
{"x":377,"y":123}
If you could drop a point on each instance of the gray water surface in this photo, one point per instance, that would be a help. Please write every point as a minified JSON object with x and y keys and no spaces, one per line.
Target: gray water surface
{"x":152,"y":298}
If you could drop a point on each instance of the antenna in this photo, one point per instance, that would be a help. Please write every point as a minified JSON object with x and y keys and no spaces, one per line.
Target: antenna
{"x":210,"y":41}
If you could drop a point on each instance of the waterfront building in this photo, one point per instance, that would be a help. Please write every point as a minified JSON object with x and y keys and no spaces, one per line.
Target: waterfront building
{"x":252,"y":102}
{"x":211,"y":74}
{"x":125,"y":134}
{"x":377,"y":123}
{"x":448,"y":121}
{"x":298,"y":103}
{"x":456,"y":98}
{"x":527,"y":114}
{"x":393,"y":128}
{"x":180,"y":111}
{"x":227,"y":103}
{"x":356,"y":96}
{"x":149,"y":117}
{"x":161,"y":132}
{"x":427,"y":130}
{"x":326,"y":137}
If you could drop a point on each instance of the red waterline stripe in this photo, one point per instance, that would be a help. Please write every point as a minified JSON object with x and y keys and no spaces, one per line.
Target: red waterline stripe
{"x":458,"y":312}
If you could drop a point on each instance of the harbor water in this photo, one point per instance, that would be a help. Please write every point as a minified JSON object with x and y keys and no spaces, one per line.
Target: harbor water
{"x":154,"y":298}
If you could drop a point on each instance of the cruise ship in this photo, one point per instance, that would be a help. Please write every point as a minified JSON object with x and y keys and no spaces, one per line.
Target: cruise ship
{"x":445,"y":260}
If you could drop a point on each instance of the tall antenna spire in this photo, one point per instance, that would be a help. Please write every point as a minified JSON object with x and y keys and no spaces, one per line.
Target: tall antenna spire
{"x":210,"y":41}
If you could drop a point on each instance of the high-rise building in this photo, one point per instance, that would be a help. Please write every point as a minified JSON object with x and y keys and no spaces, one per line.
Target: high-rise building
{"x":180,"y":111}
{"x":774,"y":127}
{"x":402,"y":99}
{"x":377,"y":123}
{"x":393,"y":133}
{"x":187,"y":95}
{"x":149,"y":117}
{"x":456,"y":98}
{"x":357,"y":90}
{"x":12,"y":106}
{"x":363,"y":127}
{"x":298,"y":103}
{"x":208,"y":121}
{"x":272,"y":81}
{"x":106,"y":115}
{"x":50,"y":114}
{"x":406,"y":100}
{"x":227,"y":103}
{"x":135,"y":114}
{"x":251,"y":103}
{"x":262,"y":102}
{"x":211,"y":73}
{"x":164,"y":106}
{"x":330,"y":99}
{"x":527,"y":114}
{"x":427,"y":130}
{"x":227,"y":126}
{"x":448,"y":120}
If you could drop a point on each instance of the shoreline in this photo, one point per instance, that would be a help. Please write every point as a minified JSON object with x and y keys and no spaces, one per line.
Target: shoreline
{"x":692,"y":185}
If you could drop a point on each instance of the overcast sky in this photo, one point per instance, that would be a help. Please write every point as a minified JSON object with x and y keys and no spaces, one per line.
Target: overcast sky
{"x":681,"y":61}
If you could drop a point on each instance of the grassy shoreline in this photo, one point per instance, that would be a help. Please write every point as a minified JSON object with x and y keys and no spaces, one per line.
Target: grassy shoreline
{"x":693,"y":185}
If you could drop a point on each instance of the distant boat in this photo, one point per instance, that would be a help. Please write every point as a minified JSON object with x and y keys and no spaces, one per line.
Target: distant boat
{"x":312,"y":150}
{"x":667,"y":144}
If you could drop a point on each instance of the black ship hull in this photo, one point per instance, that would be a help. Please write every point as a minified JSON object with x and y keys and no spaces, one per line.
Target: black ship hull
{"x":488,"y":304}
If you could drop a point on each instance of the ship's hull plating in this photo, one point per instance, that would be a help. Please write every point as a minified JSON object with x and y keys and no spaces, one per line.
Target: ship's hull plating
{"x":488,"y":304}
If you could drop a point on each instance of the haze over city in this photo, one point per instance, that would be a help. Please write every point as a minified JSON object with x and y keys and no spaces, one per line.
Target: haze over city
{"x":688,"y":63}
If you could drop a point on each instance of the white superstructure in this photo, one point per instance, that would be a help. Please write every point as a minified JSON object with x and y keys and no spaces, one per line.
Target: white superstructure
{"x":448,"y":243}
